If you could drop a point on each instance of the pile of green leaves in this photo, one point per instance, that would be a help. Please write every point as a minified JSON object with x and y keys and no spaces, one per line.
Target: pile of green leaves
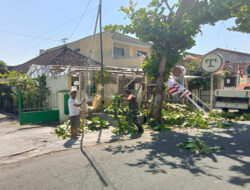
{"x":95,"y":124}
{"x":184,"y":116}
{"x":198,"y":146}
{"x":63,"y":130}
{"x":231,"y":115}
{"x":178,"y":115}
{"x":245,"y":117}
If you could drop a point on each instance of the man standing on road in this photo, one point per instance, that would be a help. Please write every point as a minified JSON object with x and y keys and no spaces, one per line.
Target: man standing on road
{"x":74,"y":113}
{"x":133,"y":110}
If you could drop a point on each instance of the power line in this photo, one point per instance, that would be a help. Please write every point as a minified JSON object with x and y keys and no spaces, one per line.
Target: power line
{"x":44,"y":40}
{"x":49,"y":31}
{"x":26,"y":35}
{"x":78,"y":24}
{"x":30,"y":47}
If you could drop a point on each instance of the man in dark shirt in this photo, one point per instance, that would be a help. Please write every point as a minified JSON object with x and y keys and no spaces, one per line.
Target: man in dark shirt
{"x":133,"y":110}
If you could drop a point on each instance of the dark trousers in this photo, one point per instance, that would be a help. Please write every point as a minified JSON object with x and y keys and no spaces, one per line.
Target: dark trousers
{"x":132,"y":116}
{"x":74,"y":123}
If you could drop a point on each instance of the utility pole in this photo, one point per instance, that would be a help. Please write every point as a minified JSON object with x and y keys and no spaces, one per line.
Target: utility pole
{"x":212,"y":90}
{"x":102,"y":75}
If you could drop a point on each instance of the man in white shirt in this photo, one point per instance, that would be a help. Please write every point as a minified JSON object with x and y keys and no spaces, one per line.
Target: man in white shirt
{"x":74,"y":113}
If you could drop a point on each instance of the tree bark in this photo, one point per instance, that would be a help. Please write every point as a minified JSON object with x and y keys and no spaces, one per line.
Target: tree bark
{"x":159,"y":89}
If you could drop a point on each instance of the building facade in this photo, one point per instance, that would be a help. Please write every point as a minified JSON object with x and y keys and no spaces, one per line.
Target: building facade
{"x":119,"y":50}
{"x":233,"y":60}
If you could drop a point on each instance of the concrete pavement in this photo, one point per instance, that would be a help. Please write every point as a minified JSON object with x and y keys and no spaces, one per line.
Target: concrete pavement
{"x":151,"y":162}
{"x":23,"y":142}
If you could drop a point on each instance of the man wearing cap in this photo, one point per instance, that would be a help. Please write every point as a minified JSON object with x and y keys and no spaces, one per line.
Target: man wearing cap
{"x":74,"y":112}
{"x":133,"y":110}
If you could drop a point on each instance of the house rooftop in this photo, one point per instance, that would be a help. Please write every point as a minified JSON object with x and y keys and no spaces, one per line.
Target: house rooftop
{"x":125,"y":38}
{"x":62,"y":56}
{"x":230,"y":51}
{"x":233,"y":67}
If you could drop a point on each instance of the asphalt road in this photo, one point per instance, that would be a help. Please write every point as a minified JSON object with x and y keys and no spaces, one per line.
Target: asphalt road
{"x":146,"y":163}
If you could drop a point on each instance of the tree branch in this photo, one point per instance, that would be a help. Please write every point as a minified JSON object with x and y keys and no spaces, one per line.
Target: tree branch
{"x":171,"y":12}
{"x":184,"y":7}
{"x":168,"y":6}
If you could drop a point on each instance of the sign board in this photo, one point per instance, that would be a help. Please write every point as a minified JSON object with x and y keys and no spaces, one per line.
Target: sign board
{"x":212,"y":63}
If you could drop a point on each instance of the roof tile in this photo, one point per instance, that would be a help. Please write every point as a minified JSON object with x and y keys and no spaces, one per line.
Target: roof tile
{"x":61,"y":56}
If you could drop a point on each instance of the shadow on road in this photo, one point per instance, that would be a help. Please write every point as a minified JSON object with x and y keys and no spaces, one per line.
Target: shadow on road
{"x":163,"y":151}
{"x":95,"y":166}
{"x":69,"y":143}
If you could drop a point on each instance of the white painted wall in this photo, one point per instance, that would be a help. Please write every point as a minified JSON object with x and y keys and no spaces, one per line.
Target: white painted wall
{"x":56,"y":100}
{"x":57,"y":83}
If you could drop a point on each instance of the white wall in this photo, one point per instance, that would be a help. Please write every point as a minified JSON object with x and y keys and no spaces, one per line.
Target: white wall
{"x":56,"y":99}
{"x":57,"y":83}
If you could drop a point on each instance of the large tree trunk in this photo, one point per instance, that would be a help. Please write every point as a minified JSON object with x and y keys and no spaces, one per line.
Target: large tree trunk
{"x":159,"y":89}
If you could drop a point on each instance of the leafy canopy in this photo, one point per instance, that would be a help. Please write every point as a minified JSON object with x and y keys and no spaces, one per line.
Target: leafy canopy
{"x":172,"y":28}
{"x":3,"y":67}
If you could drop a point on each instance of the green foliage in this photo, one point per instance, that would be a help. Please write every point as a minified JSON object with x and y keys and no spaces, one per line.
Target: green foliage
{"x":116,"y":107}
{"x":96,"y":76}
{"x":227,"y":73}
{"x":63,"y":130}
{"x":3,"y":67}
{"x":245,"y":117}
{"x":178,"y":115}
{"x":231,"y":116}
{"x":18,"y":80}
{"x":204,"y":82}
{"x":172,"y":29}
{"x":95,"y":124}
{"x":119,"y":115}
{"x":41,"y":91}
{"x":240,"y":9}
{"x":34,"y":91}
{"x":198,"y":146}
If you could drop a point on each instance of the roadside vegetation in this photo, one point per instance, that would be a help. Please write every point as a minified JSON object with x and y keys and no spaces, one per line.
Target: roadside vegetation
{"x":94,"y":124}
{"x":34,"y":91}
{"x":173,"y":116}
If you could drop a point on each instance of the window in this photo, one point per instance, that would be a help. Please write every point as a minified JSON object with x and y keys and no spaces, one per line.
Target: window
{"x":118,"y":51}
{"x":230,"y":81}
{"x":141,"y":53}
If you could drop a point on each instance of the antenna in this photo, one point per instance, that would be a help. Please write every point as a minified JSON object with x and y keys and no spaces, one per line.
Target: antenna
{"x":64,"y":40}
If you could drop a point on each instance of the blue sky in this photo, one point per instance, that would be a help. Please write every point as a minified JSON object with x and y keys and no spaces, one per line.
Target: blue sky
{"x":29,"y":25}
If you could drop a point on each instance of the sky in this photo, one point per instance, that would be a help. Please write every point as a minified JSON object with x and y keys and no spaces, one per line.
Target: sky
{"x":27,"y":26}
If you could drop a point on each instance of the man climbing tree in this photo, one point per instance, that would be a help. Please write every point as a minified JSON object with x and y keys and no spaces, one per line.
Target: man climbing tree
{"x":172,"y":28}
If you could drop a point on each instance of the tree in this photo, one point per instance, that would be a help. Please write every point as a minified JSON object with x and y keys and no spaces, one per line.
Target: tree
{"x":34,"y":91}
{"x":3,"y":67}
{"x":172,"y":28}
